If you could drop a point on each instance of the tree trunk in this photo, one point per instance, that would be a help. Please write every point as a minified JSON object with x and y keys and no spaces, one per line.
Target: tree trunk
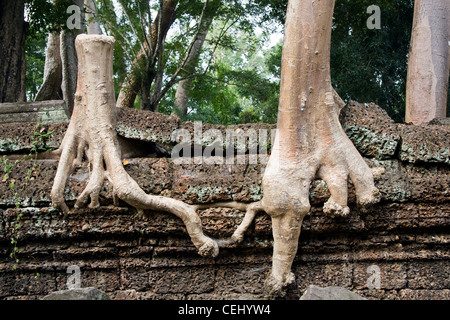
{"x":159,"y":76}
{"x":184,"y":86}
{"x":60,"y":71}
{"x":69,"y":63}
{"x":92,"y":132}
{"x":52,"y":80}
{"x":310,"y":141}
{"x":141,"y":68}
{"x":12,"y":51}
{"x":92,"y":26}
{"x":51,"y":84}
{"x":429,"y":62}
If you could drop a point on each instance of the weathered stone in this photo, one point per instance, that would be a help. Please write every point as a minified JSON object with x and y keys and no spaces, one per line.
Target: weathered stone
{"x":44,"y":112}
{"x":329,"y":293}
{"x":146,"y":126}
{"x":369,"y":127}
{"x":426,"y":144}
{"x":371,"y":130}
{"x":78,"y":294}
{"x":150,"y":256}
{"x":440,"y":121}
{"x":181,"y":280}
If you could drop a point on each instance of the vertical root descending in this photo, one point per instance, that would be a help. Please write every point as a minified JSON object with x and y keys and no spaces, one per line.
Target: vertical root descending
{"x":94,"y":185}
{"x":64,"y":170}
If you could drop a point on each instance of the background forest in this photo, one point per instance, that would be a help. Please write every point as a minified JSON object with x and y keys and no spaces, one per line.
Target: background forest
{"x":235,"y":75}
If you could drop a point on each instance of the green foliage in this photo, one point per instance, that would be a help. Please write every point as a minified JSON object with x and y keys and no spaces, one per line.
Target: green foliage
{"x":35,"y":62}
{"x":237,"y":76}
{"x":371,"y":65}
{"x":44,"y":17}
{"x":238,"y":88}
{"x":239,"y":84}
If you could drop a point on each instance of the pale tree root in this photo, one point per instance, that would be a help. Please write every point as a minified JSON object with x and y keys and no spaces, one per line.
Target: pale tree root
{"x":289,"y":209}
{"x":250,"y":209}
{"x":91,"y":132}
{"x":332,"y":157}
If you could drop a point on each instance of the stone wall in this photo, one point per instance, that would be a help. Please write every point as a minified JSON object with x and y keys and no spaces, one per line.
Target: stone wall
{"x":150,"y":256}
{"x":41,"y":112}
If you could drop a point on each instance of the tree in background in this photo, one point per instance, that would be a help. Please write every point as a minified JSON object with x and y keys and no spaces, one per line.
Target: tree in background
{"x":12,"y":51}
{"x":192,"y":59}
{"x":237,"y":76}
{"x":50,"y":88}
{"x":35,"y":62}
{"x":370,"y":65}
{"x":180,"y":55}
{"x":240,"y":86}
{"x":60,"y":71}
{"x":142,"y":71}
{"x":429,"y":62}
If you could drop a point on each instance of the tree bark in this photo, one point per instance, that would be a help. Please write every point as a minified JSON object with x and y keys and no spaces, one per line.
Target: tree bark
{"x":70,"y":63}
{"x":310,"y":141}
{"x":52,"y":80}
{"x":91,"y":132}
{"x":12,"y":51}
{"x":184,"y":86}
{"x":60,"y":71}
{"x":51,"y":84}
{"x":141,"y":72}
{"x":428,"y":62}
{"x":92,"y":26}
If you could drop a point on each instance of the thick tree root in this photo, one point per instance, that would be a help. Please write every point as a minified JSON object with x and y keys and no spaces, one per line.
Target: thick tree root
{"x":310,"y":141}
{"x":91,"y":133}
{"x":335,"y":160}
{"x":124,"y":187}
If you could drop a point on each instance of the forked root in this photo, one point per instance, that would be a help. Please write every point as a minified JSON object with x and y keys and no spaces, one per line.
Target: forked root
{"x":251,"y":209}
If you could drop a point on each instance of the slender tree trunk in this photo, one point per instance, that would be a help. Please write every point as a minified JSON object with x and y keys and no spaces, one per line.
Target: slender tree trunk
{"x":12,"y":51}
{"x":69,"y":69}
{"x":429,"y":62}
{"x":69,"y":63}
{"x":92,"y":26}
{"x":184,"y":86}
{"x":52,"y":81}
{"x":154,"y":102}
{"x":51,"y":85}
{"x":141,"y":68}
{"x":310,"y":141}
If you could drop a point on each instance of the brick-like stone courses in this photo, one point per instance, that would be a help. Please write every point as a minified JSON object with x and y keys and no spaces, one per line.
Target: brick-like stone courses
{"x":150,"y":256}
